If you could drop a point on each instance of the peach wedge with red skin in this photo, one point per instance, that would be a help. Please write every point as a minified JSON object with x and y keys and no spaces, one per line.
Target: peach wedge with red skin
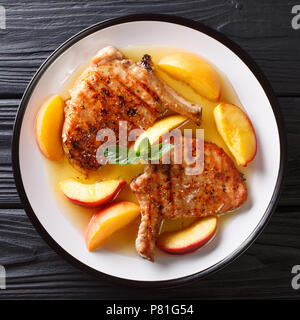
{"x":190,"y":238}
{"x":109,"y":220}
{"x":48,"y":128}
{"x":91,"y":195}
{"x":237,"y":131}
{"x":194,"y":71}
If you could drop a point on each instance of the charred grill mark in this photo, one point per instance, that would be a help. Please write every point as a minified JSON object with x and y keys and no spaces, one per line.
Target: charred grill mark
{"x":114,"y":100}
{"x":83,"y":149}
{"x":151,"y":218}
{"x":131,"y":112}
{"x":104,"y":111}
{"x":155,"y":110}
{"x":159,"y":193}
{"x":168,"y":173}
{"x":105,"y":91}
{"x":92,"y":91}
{"x":119,"y":101}
{"x":181,"y":179}
{"x":151,"y":93}
{"x":139,"y":102}
{"x":75,"y":145}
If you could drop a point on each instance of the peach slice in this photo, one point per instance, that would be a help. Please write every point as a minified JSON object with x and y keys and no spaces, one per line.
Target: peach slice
{"x":48,"y":128}
{"x":190,"y":238}
{"x":194,"y":71}
{"x":91,"y":195}
{"x":109,"y":220}
{"x":237,"y":131}
{"x":160,"y":128}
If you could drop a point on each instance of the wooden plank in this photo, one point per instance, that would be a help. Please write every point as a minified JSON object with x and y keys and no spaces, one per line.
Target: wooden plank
{"x":289,"y":107}
{"x":8,"y":193}
{"x":36,"y":28}
{"x":35,"y":271}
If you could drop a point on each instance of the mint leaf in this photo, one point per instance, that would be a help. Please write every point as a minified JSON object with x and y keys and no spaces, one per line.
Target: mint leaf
{"x":158,"y":150}
{"x":144,"y":147}
{"x":133,"y":158}
{"x":124,"y":156}
{"x":120,"y":155}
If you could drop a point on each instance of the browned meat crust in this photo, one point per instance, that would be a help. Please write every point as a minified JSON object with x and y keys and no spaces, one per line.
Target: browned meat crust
{"x":165,"y":191}
{"x":111,"y":90}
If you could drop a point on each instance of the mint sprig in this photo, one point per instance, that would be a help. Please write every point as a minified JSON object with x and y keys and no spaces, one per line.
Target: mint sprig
{"x":124,"y":156}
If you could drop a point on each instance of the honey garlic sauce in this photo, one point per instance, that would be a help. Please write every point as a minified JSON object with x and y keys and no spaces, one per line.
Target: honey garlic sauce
{"x":123,"y":241}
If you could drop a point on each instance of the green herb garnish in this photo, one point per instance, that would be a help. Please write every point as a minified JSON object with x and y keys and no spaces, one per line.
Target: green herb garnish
{"x":124,"y":156}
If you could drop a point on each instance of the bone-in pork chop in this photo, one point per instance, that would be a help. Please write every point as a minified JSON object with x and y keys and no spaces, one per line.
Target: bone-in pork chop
{"x":115,"y":89}
{"x":166,"y":191}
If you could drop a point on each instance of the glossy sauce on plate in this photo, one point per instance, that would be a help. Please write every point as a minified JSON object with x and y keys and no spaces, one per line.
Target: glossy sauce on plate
{"x":124,"y":240}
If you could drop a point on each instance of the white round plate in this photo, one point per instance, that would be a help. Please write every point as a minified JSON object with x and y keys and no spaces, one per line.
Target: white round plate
{"x":255,"y":95}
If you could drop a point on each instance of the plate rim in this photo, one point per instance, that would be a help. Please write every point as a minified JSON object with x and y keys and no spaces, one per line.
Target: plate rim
{"x":236,"y":49}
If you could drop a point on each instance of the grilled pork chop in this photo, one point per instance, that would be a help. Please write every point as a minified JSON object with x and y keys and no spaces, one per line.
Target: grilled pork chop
{"x":165,"y":191}
{"x":115,"y":89}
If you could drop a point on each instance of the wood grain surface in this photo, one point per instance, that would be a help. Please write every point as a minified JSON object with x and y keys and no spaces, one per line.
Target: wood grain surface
{"x":263,"y":28}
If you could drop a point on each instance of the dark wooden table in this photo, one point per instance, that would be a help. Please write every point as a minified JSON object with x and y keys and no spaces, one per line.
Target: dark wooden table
{"x":263,"y":28}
